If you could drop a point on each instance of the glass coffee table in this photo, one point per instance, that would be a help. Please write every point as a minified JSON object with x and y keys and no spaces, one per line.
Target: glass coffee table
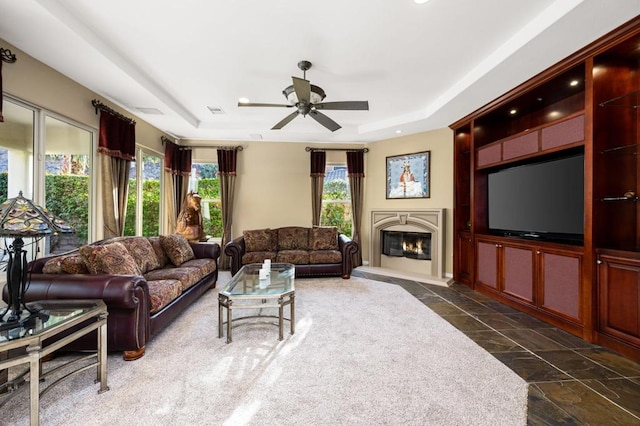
{"x":247,"y":291}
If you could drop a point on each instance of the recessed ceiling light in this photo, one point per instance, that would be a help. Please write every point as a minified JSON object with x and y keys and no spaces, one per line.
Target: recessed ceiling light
{"x":513,"y":111}
{"x":420,"y":1}
{"x":243,"y":100}
{"x":398,"y":131}
{"x":574,"y":83}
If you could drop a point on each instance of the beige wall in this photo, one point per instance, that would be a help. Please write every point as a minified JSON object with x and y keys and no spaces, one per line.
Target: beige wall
{"x":440,"y":144}
{"x":34,"y":82}
{"x":273,"y":185}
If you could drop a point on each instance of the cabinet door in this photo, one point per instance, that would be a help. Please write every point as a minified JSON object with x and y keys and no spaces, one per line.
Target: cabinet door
{"x":519,"y":272}
{"x":487,"y":264}
{"x":560,"y":278}
{"x":619,"y":298}
{"x":465,"y":258}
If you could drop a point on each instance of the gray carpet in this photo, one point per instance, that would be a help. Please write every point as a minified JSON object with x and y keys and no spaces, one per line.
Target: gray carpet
{"x":364,"y":353}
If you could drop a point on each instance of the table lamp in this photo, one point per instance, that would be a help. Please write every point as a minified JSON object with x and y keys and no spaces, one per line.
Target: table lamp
{"x":20,"y":217}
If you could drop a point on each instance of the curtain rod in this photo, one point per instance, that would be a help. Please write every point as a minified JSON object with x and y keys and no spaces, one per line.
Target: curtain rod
{"x":100,"y":106}
{"x":310,"y":149}
{"x":7,"y":56}
{"x":220,"y":147}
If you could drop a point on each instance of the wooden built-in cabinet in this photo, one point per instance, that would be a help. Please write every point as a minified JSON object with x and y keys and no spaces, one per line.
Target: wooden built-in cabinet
{"x":542,"y":278}
{"x":589,"y":104}
{"x":546,"y":138}
{"x":619,"y":296}
{"x":464,"y":254}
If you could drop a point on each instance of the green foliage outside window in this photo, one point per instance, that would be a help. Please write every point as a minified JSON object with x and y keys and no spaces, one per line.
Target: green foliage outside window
{"x":150,"y":208}
{"x":4,"y":185}
{"x":209,"y":189}
{"x":67,"y":196}
{"x":334,"y":212}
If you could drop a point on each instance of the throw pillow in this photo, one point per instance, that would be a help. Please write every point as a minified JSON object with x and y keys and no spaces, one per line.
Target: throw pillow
{"x":112,"y":258}
{"x":74,"y":264}
{"x":142,"y":251}
{"x":260,"y":240}
{"x":53,"y":266}
{"x":293,"y":238}
{"x":177,"y":248}
{"x":324,"y":238}
{"x":161,"y":256}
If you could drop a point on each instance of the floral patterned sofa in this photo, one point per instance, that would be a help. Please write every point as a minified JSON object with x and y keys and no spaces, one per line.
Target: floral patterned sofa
{"x":316,"y":251}
{"x":145,"y":283}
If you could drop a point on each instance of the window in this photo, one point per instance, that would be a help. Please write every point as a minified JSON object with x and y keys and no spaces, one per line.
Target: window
{"x":336,"y":199}
{"x":67,"y":166}
{"x":51,"y":165}
{"x":206,"y":182}
{"x":144,"y":184}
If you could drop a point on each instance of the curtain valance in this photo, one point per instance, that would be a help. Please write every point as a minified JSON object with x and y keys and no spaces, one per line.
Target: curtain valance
{"x":117,"y":137}
{"x":177,"y":160}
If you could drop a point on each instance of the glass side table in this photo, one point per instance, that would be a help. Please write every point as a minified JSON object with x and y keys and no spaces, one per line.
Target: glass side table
{"x":25,"y":343}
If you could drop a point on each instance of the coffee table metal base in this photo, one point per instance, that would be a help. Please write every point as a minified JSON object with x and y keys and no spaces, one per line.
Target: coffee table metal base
{"x":226,"y":303}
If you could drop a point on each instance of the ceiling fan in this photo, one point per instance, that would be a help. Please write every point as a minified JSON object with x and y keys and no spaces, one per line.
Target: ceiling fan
{"x":307,"y":99}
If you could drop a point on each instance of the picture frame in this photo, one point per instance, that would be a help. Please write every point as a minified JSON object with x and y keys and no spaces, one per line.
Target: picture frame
{"x":408,"y":176}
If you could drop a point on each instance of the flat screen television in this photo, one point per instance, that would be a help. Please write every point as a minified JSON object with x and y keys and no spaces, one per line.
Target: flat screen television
{"x":542,"y":200}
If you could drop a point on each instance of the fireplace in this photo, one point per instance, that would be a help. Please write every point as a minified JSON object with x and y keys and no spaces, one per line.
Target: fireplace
{"x":421,"y":222}
{"x":414,"y":245}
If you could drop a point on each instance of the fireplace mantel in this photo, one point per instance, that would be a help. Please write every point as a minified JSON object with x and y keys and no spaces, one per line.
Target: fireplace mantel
{"x":419,"y":220}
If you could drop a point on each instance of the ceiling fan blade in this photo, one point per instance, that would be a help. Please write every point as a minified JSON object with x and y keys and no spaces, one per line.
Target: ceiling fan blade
{"x":253,"y":104}
{"x":324,"y":120}
{"x":285,"y":121}
{"x":346,"y":105}
{"x":303,"y":89}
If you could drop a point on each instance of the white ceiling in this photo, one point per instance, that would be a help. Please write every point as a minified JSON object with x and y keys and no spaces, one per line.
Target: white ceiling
{"x":421,"y":67}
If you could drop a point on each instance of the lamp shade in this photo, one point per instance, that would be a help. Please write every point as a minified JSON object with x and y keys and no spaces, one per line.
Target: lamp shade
{"x":20,"y":217}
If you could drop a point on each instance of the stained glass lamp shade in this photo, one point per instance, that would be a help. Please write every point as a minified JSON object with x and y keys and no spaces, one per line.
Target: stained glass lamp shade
{"x":20,"y":217}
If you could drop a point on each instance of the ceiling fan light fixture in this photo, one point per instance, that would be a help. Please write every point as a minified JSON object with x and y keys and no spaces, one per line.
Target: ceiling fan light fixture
{"x":317,"y":94}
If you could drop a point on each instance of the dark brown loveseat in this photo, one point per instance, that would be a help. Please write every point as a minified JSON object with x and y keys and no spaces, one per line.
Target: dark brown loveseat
{"x":145,"y":283}
{"x":315,"y":252}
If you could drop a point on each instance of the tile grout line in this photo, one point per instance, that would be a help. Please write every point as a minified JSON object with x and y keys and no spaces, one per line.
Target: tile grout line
{"x":540,"y":358}
{"x":422,"y":285}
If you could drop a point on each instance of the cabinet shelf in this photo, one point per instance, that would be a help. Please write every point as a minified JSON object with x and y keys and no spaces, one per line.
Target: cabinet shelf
{"x":629,"y":100}
{"x":621,"y":149}
{"x":627,"y":196}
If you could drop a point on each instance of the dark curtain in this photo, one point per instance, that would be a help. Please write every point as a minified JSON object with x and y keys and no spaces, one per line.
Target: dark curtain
{"x":355,"y":167}
{"x":117,"y":146}
{"x":227,"y":163}
{"x":318,"y":161}
{"x":177,"y":162}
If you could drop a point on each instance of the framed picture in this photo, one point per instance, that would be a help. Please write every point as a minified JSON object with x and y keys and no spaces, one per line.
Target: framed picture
{"x":408,"y":176}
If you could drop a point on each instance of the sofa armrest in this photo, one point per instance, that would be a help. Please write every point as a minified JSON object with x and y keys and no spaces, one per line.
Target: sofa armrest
{"x":235,"y":250}
{"x":117,"y":291}
{"x":205,"y":250}
{"x":348,"y":248}
{"x":126,"y":296}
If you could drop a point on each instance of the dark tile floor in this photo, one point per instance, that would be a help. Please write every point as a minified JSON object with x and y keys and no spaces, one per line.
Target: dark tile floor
{"x":571,"y":382}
